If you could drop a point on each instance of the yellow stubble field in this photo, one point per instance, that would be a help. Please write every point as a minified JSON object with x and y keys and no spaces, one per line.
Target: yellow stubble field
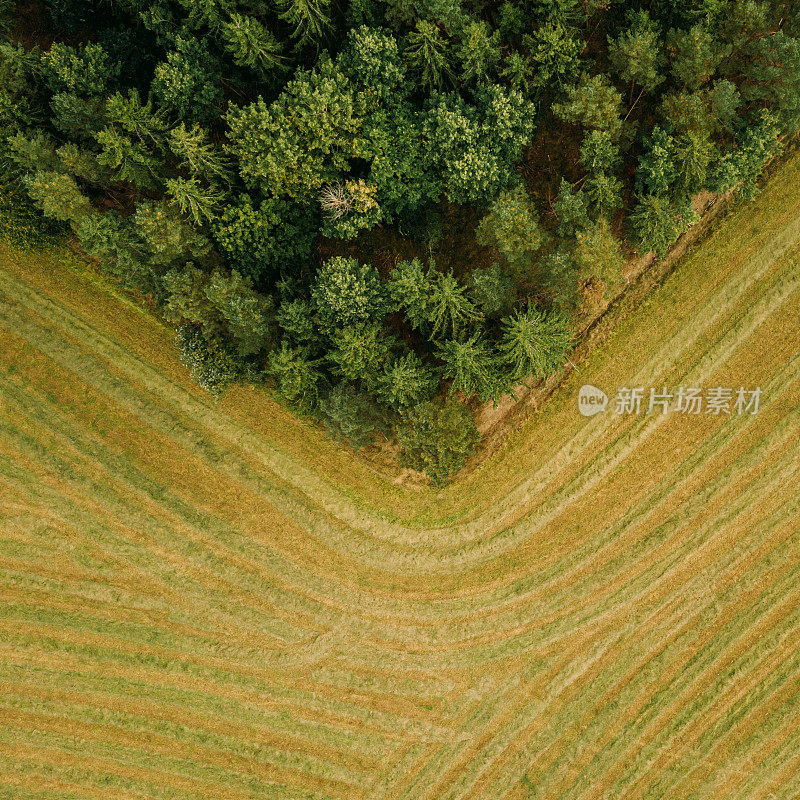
{"x":212,"y":600}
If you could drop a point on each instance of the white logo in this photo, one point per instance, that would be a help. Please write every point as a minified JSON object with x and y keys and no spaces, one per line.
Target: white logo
{"x":591,"y":400}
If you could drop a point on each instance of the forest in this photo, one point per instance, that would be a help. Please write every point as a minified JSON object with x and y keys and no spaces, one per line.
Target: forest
{"x":383,"y":210}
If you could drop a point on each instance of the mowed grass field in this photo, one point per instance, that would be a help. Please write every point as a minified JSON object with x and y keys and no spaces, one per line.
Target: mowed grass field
{"x":203,"y":600}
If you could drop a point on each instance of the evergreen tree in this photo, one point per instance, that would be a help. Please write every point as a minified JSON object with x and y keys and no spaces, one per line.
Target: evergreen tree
{"x":657,"y":223}
{"x":199,"y":203}
{"x":128,"y":114}
{"x":572,"y":210}
{"x":298,"y":378}
{"x":195,"y":153}
{"x":492,"y":290}
{"x":210,"y":361}
{"x":478,"y":52}
{"x":85,"y":70}
{"x":471,"y":366}
{"x":695,"y":55}
{"x":636,"y":55}
{"x":131,"y":161}
{"x":657,"y":171}
{"x":427,"y":53}
{"x":694,"y":153}
{"x":410,"y":291}
{"x":725,"y":102}
{"x":359,"y":353}
{"x":406,"y":381}
{"x":303,"y":140}
{"x":604,"y":193}
{"x":188,"y":81}
{"x":599,"y":152}
{"x":251,"y":44}
{"x":534,"y":343}
{"x":594,"y":103}
{"x":372,"y":58}
{"x":772,"y":77}
{"x":310,"y":18}
{"x":296,"y":320}
{"x":58,"y":196}
{"x":449,"y":309}
{"x":475,"y":147}
{"x":248,"y":315}
{"x":555,"y":54}
{"x":596,"y":253}
{"x":264,"y":240}
{"x":77,"y":117}
{"x":167,"y":237}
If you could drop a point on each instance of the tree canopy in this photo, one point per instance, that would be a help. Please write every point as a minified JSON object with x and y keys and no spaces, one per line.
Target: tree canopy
{"x":370,"y":204}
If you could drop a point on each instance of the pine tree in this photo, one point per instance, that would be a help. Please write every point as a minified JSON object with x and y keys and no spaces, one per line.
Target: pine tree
{"x":657,"y":223}
{"x":296,"y":319}
{"x":189,"y":81}
{"x":599,"y":152}
{"x":478,"y":52}
{"x":85,"y":70}
{"x":77,"y":117}
{"x":210,"y":360}
{"x":251,"y":44}
{"x":346,"y":294}
{"x":58,"y":196}
{"x":410,"y":291}
{"x":694,"y":153}
{"x":406,"y":381}
{"x":248,"y":315}
{"x":512,"y":226}
{"x":427,"y":52}
{"x":130,"y":160}
{"x":305,"y":139}
{"x":572,"y":210}
{"x":534,"y":343}
{"x":352,"y":416}
{"x":492,"y":290}
{"x":372,"y":58}
{"x":198,"y":202}
{"x":604,"y":192}
{"x":695,"y":55}
{"x":555,"y":52}
{"x":636,"y":55}
{"x":309,"y":17}
{"x":359,"y":353}
{"x":470,"y":365}
{"x":596,"y":253}
{"x":127,"y":113}
{"x":594,"y":103}
{"x":195,"y":153}
{"x":449,"y":307}
{"x":657,"y":170}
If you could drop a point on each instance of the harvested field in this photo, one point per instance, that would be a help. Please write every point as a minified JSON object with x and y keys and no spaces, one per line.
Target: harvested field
{"x":207,"y":600}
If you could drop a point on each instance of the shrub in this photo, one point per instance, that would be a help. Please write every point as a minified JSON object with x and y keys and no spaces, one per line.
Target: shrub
{"x":437,"y":438}
{"x":211,"y":360}
{"x":346,"y":293}
{"x":352,"y":416}
{"x":512,"y":226}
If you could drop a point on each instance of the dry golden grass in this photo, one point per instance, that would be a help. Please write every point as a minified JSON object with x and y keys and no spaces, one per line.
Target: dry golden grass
{"x":205,"y":600}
